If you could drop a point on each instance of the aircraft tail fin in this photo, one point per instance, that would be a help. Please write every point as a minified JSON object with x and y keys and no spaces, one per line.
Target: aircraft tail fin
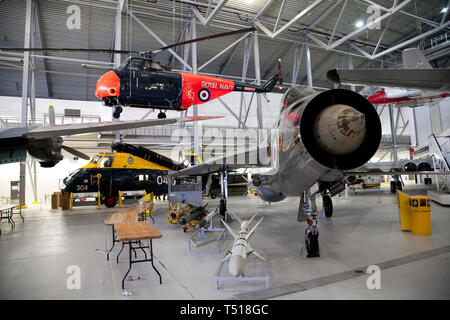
{"x":413,"y":58}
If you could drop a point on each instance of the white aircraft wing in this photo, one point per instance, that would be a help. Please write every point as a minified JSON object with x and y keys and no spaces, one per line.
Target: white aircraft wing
{"x":254,"y":157}
{"x":391,"y":173}
{"x":423,"y":79}
{"x":72,"y":129}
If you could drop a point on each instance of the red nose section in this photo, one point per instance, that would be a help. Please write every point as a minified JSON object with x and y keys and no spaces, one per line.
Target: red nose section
{"x":108,"y":85}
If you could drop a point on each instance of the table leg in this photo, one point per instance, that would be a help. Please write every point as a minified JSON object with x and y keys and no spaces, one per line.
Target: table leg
{"x":151,"y":259}
{"x":129,"y":269}
{"x":123,"y":244}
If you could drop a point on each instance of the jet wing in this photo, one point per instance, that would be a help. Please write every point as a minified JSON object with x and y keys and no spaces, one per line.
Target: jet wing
{"x":253,"y":158}
{"x":391,"y":173}
{"x":422,"y":79}
{"x":72,"y":129}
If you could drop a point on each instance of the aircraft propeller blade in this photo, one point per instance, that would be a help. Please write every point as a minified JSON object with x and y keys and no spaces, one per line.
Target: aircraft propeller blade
{"x":76,"y":152}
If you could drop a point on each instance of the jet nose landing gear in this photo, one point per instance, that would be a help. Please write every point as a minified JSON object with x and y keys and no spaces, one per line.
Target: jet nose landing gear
{"x":308,"y":206}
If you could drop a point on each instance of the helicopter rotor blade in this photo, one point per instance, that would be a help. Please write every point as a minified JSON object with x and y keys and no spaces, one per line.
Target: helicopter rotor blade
{"x":62,"y":50}
{"x":213,"y":36}
{"x":69,"y":50}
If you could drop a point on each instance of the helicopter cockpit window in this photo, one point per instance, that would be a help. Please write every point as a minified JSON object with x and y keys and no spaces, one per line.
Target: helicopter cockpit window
{"x":135,"y":64}
{"x":106,"y":162}
{"x":95,"y":159}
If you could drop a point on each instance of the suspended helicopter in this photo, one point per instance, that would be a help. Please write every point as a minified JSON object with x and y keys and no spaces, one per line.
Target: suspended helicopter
{"x":144,"y":82}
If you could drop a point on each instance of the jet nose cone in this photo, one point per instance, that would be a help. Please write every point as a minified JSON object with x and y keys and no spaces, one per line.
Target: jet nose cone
{"x":340,"y":129}
{"x":236,"y":265}
{"x":108,"y":85}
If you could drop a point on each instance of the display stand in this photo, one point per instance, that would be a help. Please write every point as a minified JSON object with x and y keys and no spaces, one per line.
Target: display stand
{"x":204,"y":236}
{"x":256,"y":271}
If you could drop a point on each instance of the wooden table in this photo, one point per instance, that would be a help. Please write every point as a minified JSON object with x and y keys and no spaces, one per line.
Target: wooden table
{"x":130,"y":214}
{"x":133,"y":233}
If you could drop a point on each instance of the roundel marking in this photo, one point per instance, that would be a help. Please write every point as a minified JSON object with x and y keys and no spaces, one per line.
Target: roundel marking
{"x":204,"y":95}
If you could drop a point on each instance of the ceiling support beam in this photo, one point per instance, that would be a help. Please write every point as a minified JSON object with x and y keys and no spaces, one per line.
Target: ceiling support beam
{"x":279,"y":16}
{"x":297,"y":62}
{"x":242,"y":105}
{"x":297,"y":17}
{"x":412,"y":40}
{"x":259,"y":112}
{"x":308,"y":65}
{"x":369,"y":25}
{"x":445,"y":13}
{"x":337,"y":22}
{"x":227,"y":62}
{"x":386,"y":27}
{"x":180,"y":37}
{"x":429,"y":22}
{"x":205,"y":21}
{"x":223,"y":51}
{"x":40,"y":36}
{"x":325,"y":14}
{"x":159,"y":40}
{"x":25,"y":92}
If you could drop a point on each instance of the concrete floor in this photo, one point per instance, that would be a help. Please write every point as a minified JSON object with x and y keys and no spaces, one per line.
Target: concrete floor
{"x":364,"y":230}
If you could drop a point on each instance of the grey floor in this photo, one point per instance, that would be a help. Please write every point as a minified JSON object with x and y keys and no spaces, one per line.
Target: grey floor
{"x":364,"y":230}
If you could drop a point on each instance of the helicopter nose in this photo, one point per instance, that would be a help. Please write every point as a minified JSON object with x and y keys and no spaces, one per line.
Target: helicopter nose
{"x":108,"y":85}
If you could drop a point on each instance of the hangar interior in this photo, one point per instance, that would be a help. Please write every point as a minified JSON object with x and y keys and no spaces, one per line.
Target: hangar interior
{"x":309,"y":38}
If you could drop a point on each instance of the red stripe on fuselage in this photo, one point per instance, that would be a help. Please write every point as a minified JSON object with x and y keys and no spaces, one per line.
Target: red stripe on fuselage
{"x":193,"y":83}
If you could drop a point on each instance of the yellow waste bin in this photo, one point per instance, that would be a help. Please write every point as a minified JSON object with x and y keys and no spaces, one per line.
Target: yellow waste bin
{"x":419,"y":207}
{"x":403,"y":205}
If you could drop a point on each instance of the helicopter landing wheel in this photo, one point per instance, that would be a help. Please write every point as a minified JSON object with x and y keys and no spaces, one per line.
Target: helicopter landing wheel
{"x":161,"y":115}
{"x":117,"y":111}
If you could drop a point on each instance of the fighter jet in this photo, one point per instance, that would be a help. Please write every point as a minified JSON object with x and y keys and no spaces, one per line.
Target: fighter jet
{"x":318,"y":139}
{"x":241,"y":247}
{"x":45,"y":142}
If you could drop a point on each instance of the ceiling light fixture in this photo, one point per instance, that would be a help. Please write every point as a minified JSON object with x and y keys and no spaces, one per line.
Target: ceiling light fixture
{"x":359,"y":23}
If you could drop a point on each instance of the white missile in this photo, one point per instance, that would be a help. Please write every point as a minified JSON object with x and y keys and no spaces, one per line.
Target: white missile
{"x":241,"y":247}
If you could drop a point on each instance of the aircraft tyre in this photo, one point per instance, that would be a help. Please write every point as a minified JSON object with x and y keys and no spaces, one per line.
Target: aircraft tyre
{"x":212,"y":195}
{"x":117,"y":111}
{"x":162,"y":115}
{"x":110,"y":202}
{"x":327,"y":206}
{"x":393,"y":186}
{"x":399,"y":185}
{"x":312,"y":242}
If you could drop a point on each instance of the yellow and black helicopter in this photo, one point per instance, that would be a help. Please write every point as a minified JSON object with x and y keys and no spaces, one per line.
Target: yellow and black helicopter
{"x":130,"y":168}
